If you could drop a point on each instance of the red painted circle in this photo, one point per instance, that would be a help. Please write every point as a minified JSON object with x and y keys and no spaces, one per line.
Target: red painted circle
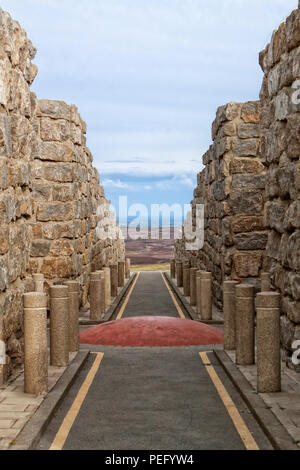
{"x":152,"y":332}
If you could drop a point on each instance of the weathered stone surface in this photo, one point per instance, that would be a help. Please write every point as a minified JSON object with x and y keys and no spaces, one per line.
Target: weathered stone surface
{"x":247,"y":224}
{"x":55,"y":212}
{"x":246,"y":202}
{"x":246,"y":165}
{"x":247,"y":264}
{"x":249,"y":181}
{"x":251,"y":241}
{"x":245,"y":148}
{"x":55,"y":152}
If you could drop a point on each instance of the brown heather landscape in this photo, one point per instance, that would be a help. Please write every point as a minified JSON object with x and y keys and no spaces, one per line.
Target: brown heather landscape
{"x":151,"y":253}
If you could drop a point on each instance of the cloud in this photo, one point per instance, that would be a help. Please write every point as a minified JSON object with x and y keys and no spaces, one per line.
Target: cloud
{"x":148,"y":76}
{"x":109,"y":183}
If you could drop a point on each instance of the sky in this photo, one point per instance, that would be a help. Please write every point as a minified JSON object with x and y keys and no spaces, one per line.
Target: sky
{"x":147,"y":77}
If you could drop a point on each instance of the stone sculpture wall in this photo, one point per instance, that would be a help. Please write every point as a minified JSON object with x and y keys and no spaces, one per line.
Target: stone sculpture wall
{"x":52,"y":206}
{"x":231,"y":187}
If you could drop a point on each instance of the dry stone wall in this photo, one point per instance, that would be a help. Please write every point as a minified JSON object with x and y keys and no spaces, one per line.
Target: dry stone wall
{"x":67,"y":196}
{"x":51,"y":201}
{"x":231,"y":187}
{"x":280,"y":124}
{"x":251,"y":185}
{"x":17,"y":138}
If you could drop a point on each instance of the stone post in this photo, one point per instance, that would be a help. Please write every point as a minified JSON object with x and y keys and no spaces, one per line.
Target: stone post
{"x":179,"y":273}
{"x":229,"y":315}
{"x":186,"y":280}
{"x":35,"y":343}
{"x":193,"y":287}
{"x":206,"y":295}
{"x":121,"y":273}
{"x":198,"y":288}
{"x":266,"y":282}
{"x":96,"y":296}
{"x":74,"y":289}
{"x":268,"y":343}
{"x":107,"y":287}
{"x":3,"y":365}
{"x":245,"y":325}
{"x":173,"y":269}
{"x":114,"y":279}
{"x":38,"y":280}
{"x":59,"y":326}
{"x":103,"y":293}
{"x":127,"y":268}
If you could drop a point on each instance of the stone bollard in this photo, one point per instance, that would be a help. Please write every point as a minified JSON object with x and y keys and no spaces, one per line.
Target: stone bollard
{"x":114,"y":280}
{"x":266,"y":282}
{"x":35,"y":343}
{"x":74,"y":289}
{"x":121,"y":273}
{"x":96,"y":296}
{"x":198,"y":288}
{"x":179,"y":273}
{"x":127,"y":268}
{"x":186,"y":280}
{"x":206,"y":296}
{"x":107,"y":290}
{"x":245,"y":325}
{"x":268,"y":343}
{"x":173,"y":269}
{"x":193,"y":287}
{"x":229,"y":315}
{"x":3,"y":361}
{"x":103,"y":293}
{"x":59,"y":326}
{"x":39,"y":281}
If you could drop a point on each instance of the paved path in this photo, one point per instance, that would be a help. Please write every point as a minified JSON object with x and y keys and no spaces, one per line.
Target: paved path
{"x":150,"y":298}
{"x":153,"y":398}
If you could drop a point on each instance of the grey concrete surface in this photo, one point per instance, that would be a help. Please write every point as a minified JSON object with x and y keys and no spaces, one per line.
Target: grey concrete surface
{"x":152,"y":399}
{"x":150,"y":298}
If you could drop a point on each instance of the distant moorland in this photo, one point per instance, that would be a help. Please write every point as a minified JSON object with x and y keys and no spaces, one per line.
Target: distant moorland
{"x":151,"y":252}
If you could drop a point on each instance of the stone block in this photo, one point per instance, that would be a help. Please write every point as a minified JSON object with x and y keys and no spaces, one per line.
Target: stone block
{"x":251,"y":241}
{"x":62,"y":173}
{"x":249,"y":181}
{"x":54,"y":109}
{"x":245,"y":147}
{"x":246,"y":202}
{"x":54,"y":130}
{"x":247,"y":264}
{"x":40,"y":248}
{"x":246,"y":165}
{"x":54,"y":151}
{"x":241,"y":224}
{"x":58,"y":212}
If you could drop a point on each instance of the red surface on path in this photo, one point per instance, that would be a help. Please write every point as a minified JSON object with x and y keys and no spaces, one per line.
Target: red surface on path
{"x":152,"y":332}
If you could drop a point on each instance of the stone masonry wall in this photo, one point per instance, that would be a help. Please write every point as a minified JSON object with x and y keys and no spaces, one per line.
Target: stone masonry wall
{"x":17,"y":138}
{"x":280,"y":124}
{"x":51,"y":200}
{"x":67,"y":194}
{"x":232,"y":189}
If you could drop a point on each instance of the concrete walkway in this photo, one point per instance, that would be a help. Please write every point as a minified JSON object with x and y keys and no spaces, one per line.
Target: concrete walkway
{"x":153,"y":398}
{"x":150,"y":298}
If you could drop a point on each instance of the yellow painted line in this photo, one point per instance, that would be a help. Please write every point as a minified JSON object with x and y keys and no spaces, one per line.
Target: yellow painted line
{"x":69,"y":420}
{"x":180,"y":312}
{"x":120,"y":314}
{"x":232,"y":410}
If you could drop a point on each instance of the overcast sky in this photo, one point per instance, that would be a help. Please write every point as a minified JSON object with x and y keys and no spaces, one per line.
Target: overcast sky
{"x":148,"y":76}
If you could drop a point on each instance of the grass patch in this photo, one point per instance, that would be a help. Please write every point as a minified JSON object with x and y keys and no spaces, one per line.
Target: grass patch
{"x":151,"y":267}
